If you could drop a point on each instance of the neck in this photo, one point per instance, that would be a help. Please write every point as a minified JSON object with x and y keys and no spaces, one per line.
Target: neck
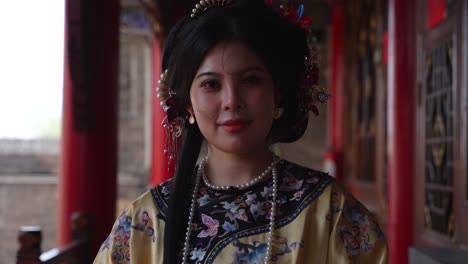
{"x":231,"y":169}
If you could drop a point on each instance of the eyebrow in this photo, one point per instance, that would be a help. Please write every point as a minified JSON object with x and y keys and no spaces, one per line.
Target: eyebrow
{"x":247,"y":69}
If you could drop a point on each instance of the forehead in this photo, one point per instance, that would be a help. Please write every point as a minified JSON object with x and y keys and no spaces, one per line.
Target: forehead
{"x":229,"y":57}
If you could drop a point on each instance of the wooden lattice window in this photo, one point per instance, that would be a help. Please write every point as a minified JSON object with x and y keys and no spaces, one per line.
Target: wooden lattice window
{"x":439,"y":141}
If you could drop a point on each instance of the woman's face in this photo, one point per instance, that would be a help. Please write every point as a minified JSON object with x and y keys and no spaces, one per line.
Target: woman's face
{"x":233,"y":99}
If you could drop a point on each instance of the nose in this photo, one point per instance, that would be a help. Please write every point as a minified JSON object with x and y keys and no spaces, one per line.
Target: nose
{"x":233,"y":97}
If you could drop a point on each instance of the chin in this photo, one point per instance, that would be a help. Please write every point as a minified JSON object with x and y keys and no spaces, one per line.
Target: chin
{"x":240,"y":147}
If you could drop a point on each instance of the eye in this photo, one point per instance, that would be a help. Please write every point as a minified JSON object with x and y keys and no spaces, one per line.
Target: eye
{"x":211,"y":84}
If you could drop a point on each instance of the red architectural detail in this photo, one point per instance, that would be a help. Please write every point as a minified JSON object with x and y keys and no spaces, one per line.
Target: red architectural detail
{"x":401,"y":127}
{"x":336,"y":107}
{"x":159,"y":168}
{"x":437,"y":12}
{"x":385,"y":47}
{"x":87,"y":181}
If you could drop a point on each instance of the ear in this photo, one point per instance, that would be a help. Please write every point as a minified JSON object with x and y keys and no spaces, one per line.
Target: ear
{"x":190,"y":110}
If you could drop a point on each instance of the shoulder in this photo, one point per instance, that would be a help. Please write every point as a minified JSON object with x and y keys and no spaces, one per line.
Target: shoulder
{"x":139,"y":215}
{"x":138,"y":222}
{"x":301,"y":180}
{"x":160,"y":195}
{"x":299,"y":187}
{"x":356,"y":228}
{"x":302,"y":172}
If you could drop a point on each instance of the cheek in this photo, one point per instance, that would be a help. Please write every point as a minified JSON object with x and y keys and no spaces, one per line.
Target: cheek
{"x":263,"y":103}
{"x":205,"y":111}
{"x":204,"y":108}
{"x":200,"y":103}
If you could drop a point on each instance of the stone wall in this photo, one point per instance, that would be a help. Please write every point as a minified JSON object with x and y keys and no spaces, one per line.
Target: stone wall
{"x":32,"y":200}
{"x":28,"y":156}
{"x":26,"y":200}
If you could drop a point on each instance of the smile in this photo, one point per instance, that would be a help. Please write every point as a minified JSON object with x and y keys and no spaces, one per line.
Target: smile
{"x":235,"y":125}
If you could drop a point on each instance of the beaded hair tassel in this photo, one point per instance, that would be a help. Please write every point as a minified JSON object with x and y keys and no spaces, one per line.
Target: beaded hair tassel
{"x":173,"y":123}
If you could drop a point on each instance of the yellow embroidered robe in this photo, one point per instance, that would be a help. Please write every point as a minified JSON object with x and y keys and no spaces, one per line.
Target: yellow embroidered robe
{"x":317,"y":221}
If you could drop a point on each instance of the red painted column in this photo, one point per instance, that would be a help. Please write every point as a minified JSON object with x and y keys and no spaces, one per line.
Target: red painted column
{"x":336,"y":107}
{"x":159,"y":168}
{"x":401,"y":127}
{"x":87,"y":181}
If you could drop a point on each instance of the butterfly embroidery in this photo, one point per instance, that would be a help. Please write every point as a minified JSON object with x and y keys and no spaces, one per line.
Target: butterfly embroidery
{"x":212,"y":225}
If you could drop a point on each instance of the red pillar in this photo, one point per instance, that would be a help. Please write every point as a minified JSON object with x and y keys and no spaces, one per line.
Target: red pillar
{"x":401,"y":127}
{"x":159,"y":168}
{"x":87,"y":182}
{"x":336,"y":107}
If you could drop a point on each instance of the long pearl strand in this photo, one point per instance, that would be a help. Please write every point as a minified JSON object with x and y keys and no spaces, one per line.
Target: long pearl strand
{"x":201,"y":174}
{"x":201,"y":168}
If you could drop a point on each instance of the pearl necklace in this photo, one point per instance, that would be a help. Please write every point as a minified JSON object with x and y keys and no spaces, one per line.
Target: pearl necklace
{"x":239,"y":186}
{"x":201,"y":174}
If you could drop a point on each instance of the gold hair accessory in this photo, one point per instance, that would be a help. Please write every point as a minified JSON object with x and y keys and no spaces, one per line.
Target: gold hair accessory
{"x":205,"y":4}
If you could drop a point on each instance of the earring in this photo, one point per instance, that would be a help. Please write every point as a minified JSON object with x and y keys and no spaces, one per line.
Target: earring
{"x":191,"y":119}
{"x":278,"y":112}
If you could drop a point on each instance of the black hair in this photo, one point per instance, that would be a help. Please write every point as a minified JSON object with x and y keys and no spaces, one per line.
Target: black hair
{"x":282,"y":47}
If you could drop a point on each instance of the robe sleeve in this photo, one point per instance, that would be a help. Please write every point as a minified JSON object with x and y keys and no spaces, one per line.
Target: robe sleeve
{"x":355,"y":236}
{"x":135,"y":236}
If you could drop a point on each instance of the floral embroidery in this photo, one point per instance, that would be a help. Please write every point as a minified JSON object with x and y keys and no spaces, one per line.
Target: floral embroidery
{"x":230,"y":227}
{"x":256,"y":252}
{"x":204,"y":200}
{"x":283,"y":247}
{"x":358,"y":231}
{"x":257,"y":210}
{"x":249,"y":254}
{"x":119,"y":238}
{"x":198,"y":254}
{"x":143,"y":227}
{"x":251,"y":199}
{"x":232,"y":207}
{"x":297,"y":195}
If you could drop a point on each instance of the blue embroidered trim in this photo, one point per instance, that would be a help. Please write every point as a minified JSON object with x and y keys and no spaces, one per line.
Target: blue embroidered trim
{"x":160,"y":202}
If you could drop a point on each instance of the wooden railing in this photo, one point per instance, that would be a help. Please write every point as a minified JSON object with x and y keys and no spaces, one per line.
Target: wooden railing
{"x":78,"y":251}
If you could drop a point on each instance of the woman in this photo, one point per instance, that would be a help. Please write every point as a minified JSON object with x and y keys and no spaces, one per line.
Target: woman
{"x":242,"y":76}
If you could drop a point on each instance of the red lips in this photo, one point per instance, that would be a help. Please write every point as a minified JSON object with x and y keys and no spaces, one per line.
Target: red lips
{"x":235,"y":125}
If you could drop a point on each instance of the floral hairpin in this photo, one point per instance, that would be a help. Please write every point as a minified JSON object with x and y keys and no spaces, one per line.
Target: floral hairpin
{"x":312,"y":93}
{"x":173,"y":122}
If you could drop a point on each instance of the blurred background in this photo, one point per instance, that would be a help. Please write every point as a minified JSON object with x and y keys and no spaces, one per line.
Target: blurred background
{"x":80,"y":124}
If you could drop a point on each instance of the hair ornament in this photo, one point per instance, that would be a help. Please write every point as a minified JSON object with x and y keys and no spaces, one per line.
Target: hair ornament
{"x":173,"y":122}
{"x":312,"y":92}
{"x":295,"y":17}
{"x":203,"y":5}
{"x":167,"y":97}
